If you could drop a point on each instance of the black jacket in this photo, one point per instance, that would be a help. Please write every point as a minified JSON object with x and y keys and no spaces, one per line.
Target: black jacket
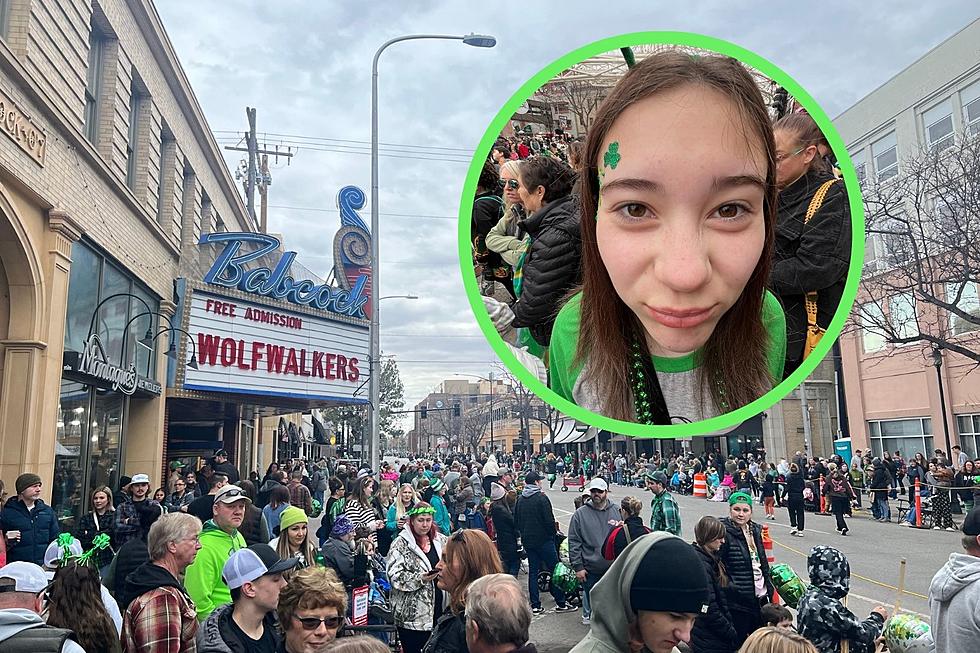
{"x":262,"y":498}
{"x":713,"y":631}
{"x":144,"y":578}
{"x":38,"y":527}
{"x":616,"y":540}
{"x":505,"y":528}
{"x":488,"y":208}
{"x":131,"y":556}
{"x":810,"y":258}
{"x":87,"y":530}
{"x":740,"y":592}
{"x":552,"y":266}
{"x":252,"y":528}
{"x":794,"y":487}
{"x":449,"y":635}
{"x":535,"y":519}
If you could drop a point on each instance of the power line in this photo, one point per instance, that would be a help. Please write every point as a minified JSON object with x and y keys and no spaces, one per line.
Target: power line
{"x":316,"y":148}
{"x":343,"y":140}
{"x":394,"y":215}
{"x":428,"y":335}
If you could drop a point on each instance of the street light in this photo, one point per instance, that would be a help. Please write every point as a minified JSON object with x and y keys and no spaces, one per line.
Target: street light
{"x":937,"y":361}
{"x":476,"y":40}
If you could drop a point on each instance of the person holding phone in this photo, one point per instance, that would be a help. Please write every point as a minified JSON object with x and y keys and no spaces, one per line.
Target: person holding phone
{"x":28,"y":523}
{"x":397,"y":515}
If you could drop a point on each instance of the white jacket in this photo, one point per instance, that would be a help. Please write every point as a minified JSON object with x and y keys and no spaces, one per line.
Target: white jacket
{"x":413,"y":600}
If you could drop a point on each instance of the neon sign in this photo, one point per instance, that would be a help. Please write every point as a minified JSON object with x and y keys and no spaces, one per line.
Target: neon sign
{"x":230,"y":271}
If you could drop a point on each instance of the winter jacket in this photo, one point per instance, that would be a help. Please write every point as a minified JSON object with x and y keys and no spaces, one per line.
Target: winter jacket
{"x":441,"y":517}
{"x":534,"y":517}
{"x":610,"y":628}
{"x":89,"y":526}
{"x":132,"y":555}
{"x":617,"y":539}
{"x":714,"y":631}
{"x":488,"y":208}
{"x":216,"y":635}
{"x":506,"y":237}
{"x":351,"y":567}
{"x":38,"y":527}
{"x":449,"y":635}
{"x":262,"y":498}
{"x":175,"y":502}
{"x":254,"y":529}
{"x":881,"y":480}
{"x":810,"y":258}
{"x":271,"y":516}
{"x":25,"y":631}
{"x":822,"y":618}
{"x":794,"y":487}
{"x":552,"y":266}
{"x":412,"y":599}
{"x":505,"y":528}
{"x":128,"y":521}
{"x":203,"y":577}
{"x":954,"y":604}
{"x":587,"y":532}
{"x":838,"y":486}
{"x":162,"y":617}
{"x":735,"y":553}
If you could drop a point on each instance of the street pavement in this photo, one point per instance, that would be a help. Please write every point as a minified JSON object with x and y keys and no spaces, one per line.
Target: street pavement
{"x":874,"y":550}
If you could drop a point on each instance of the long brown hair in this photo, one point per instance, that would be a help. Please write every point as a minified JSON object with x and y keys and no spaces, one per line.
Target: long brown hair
{"x":75,"y":602}
{"x":475,"y":555}
{"x":733,"y":360}
{"x":709,"y":529}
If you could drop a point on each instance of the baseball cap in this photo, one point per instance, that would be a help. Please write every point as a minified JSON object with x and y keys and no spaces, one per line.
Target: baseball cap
{"x":140,"y":478}
{"x":971,"y":525}
{"x":27,"y":576}
{"x":532,"y":477}
{"x":54,"y":552}
{"x":597,"y":484}
{"x":246,"y":565}
{"x":657,"y":476}
{"x":221,"y":452}
{"x":176,"y":464}
{"x":231,"y":494}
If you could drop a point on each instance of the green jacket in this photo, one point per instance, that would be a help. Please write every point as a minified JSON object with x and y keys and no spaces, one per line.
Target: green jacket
{"x":203,"y":577}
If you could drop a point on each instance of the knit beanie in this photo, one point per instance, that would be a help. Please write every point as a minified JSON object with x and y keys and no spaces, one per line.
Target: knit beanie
{"x":670,"y":578}
{"x":341,"y":526}
{"x":25,"y":481}
{"x":290,"y":517}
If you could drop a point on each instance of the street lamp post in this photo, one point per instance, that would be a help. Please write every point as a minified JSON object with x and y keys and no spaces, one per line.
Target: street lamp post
{"x":937,"y":361}
{"x":475,"y":40}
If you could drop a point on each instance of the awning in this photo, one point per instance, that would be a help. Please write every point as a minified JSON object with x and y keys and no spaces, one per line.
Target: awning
{"x":586,"y":436}
{"x":565,"y":431}
{"x":320,"y":432}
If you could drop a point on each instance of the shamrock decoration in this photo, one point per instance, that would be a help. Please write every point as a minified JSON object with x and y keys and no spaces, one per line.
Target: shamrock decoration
{"x":611,"y":157}
{"x":100,"y":542}
{"x":316,"y":507}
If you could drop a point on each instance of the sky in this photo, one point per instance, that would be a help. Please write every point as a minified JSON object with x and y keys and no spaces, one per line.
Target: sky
{"x":306,"y":67}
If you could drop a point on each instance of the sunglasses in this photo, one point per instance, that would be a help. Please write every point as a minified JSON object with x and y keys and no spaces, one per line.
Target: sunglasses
{"x":312,"y":623}
{"x":511,"y":184}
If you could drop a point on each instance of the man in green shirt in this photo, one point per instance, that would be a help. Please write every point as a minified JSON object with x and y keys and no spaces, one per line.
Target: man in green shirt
{"x":664,"y":513}
{"x":219,"y":539}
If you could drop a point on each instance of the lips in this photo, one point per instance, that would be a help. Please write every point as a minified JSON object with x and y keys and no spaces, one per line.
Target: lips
{"x":679,"y":318}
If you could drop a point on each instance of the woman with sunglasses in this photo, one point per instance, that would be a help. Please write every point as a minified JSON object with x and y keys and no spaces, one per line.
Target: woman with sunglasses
{"x":311,"y":610}
{"x":812,"y":254}
{"x":469,"y":554}
{"x":411,"y":565}
{"x":506,"y":238}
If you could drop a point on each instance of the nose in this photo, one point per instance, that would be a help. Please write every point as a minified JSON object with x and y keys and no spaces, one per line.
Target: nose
{"x":683,"y":633}
{"x":682,"y":262}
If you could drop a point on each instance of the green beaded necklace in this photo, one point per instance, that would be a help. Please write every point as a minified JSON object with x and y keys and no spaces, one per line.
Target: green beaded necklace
{"x":648,"y":398}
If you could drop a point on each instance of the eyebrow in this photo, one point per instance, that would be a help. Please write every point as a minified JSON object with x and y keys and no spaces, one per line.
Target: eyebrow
{"x":650,"y":186}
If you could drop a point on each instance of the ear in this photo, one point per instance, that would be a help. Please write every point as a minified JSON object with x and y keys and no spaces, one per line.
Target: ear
{"x":635,"y":642}
{"x":809,"y":154}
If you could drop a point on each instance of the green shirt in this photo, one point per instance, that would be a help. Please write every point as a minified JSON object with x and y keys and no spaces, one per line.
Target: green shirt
{"x":203,"y":577}
{"x":678,"y":377}
{"x":664,"y":514}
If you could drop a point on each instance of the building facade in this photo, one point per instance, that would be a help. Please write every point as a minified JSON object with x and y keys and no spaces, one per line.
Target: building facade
{"x":903,"y":397}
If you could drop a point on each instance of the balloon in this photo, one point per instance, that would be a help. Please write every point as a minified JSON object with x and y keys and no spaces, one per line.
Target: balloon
{"x":906,"y":633}
{"x":787,"y":583}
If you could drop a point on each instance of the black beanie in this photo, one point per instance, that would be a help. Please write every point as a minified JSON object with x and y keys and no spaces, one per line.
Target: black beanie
{"x":670,"y":578}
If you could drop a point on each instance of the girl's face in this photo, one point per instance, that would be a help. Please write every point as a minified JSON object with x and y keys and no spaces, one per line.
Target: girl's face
{"x":741,"y":513}
{"x":680,"y":226}
{"x":532,"y":199}
{"x":159,"y":495}
{"x":191,"y":478}
{"x":407,"y":496}
{"x":448,"y":574}
{"x":297,"y":535}
{"x":421,"y":524}
{"x":714,"y":545}
{"x":792,"y":158}
{"x":511,"y":184}
{"x":100,"y":500}
{"x":369,"y":489}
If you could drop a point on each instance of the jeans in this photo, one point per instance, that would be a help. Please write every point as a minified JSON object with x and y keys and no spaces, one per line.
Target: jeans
{"x":544,"y":556}
{"x":619,"y":477}
{"x":590,"y":581}
{"x":511,"y":566}
{"x":880,"y":509}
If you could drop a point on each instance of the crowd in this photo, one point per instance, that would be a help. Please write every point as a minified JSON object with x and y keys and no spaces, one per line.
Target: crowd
{"x":440,"y":546}
{"x":734,"y":286}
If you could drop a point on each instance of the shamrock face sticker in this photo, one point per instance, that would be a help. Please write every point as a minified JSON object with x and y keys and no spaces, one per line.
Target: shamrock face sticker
{"x":611,"y":157}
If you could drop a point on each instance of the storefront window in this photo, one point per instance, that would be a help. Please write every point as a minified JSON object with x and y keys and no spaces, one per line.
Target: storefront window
{"x":137,"y":351}
{"x":83,"y":295}
{"x":72,"y":430}
{"x":104,"y":439}
{"x":114,"y":313}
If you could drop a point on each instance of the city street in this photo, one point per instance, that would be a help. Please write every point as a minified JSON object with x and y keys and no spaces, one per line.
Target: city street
{"x":874,"y":550}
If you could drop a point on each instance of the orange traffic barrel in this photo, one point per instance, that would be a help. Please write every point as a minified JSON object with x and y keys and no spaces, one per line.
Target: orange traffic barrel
{"x":700,"y":486}
{"x":767,"y":545}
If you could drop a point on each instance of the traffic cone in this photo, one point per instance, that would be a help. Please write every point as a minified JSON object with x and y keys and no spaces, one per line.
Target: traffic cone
{"x":767,"y":545}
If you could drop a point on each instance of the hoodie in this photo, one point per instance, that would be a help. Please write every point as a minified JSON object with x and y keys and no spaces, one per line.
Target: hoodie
{"x":216,"y":635}
{"x":203,"y":577}
{"x":821,"y":616}
{"x":160,"y":616}
{"x":16,"y":620}
{"x":587,"y":532}
{"x":954,"y":603}
{"x":610,"y":629}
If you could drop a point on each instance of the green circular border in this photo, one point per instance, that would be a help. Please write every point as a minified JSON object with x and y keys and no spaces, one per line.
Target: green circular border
{"x":735,"y":417}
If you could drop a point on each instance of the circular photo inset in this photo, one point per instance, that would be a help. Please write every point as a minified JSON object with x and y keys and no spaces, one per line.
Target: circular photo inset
{"x":661,"y":234}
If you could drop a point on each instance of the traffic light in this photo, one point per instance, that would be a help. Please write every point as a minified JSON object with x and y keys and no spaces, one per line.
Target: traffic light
{"x":455,"y":410}
{"x":424,"y":412}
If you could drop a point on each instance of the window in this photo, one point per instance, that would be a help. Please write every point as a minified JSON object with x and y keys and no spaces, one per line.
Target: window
{"x":165,"y":179}
{"x":968,"y":427}
{"x":969,"y":303}
{"x":136,"y":102}
{"x":859,"y":159}
{"x":906,"y":435}
{"x":901,"y":310}
{"x":970,"y":97}
{"x":938,"y":125}
{"x":4,"y":18}
{"x":885,"y":154}
{"x":93,"y":88}
{"x":871,"y":338}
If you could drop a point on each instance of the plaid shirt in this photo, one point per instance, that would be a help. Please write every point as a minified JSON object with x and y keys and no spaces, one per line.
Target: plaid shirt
{"x":665,"y":515}
{"x":163,"y":620}
{"x":300,"y":497}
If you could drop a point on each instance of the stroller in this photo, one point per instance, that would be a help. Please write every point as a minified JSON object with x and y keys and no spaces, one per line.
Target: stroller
{"x":573,"y":597}
{"x":811,"y":497}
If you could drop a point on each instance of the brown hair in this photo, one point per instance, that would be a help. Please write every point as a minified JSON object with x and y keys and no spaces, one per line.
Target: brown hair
{"x":475,"y":555}
{"x":776,"y":640}
{"x":806,"y":133}
{"x":75,"y":602}
{"x":311,"y":588}
{"x":631,"y":505}
{"x":709,"y":529}
{"x":102,"y":488}
{"x":733,"y":360}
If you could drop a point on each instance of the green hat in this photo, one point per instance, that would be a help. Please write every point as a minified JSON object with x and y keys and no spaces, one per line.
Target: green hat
{"x":290,"y":517}
{"x":740,"y":497}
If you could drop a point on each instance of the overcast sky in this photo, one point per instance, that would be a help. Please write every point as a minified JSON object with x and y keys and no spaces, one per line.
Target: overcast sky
{"x":306,"y":67}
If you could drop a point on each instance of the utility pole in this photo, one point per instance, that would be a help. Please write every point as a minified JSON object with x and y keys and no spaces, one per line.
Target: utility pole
{"x":253,"y":177}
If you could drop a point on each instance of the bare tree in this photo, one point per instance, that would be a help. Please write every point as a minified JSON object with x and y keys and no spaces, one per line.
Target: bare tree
{"x":475,"y":424}
{"x":528,"y":407}
{"x":443,"y":424}
{"x":923,"y":264}
{"x":582,"y":97}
